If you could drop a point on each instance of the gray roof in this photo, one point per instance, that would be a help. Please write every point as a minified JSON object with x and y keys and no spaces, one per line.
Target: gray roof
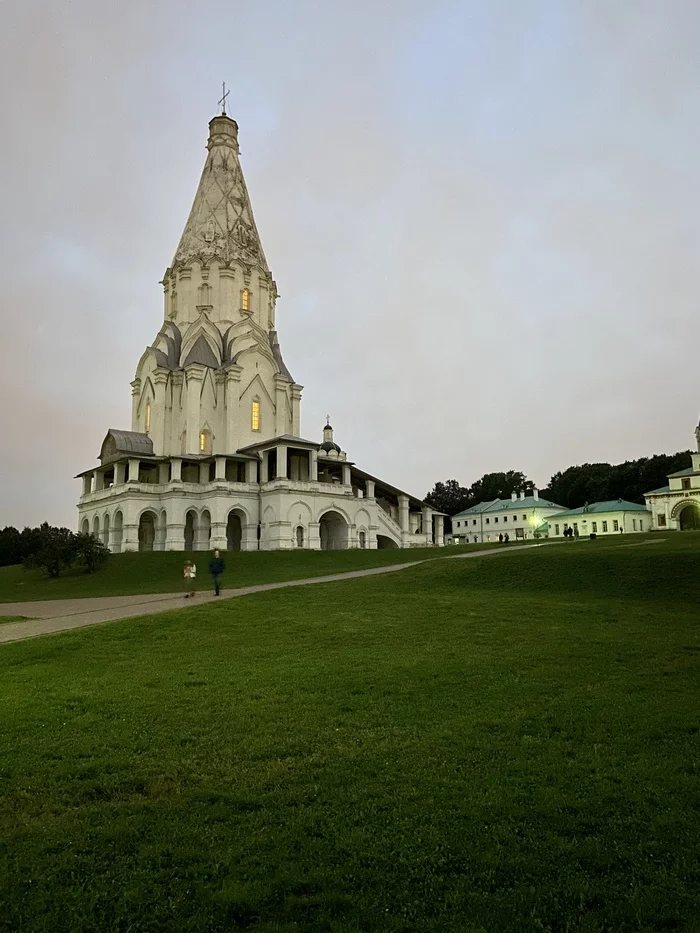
{"x":201,"y":353}
{"x":601,"y":508}
{"x":507,"y":505}
{"x":277,"y":353}
{"x":117,"y":443}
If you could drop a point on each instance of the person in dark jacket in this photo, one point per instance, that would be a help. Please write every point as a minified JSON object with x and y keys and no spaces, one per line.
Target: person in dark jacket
{"x":216,"y":568}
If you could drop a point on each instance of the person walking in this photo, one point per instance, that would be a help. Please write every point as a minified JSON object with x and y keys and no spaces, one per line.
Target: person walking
{"x":216,"y":568}
{"x":189,"y":573}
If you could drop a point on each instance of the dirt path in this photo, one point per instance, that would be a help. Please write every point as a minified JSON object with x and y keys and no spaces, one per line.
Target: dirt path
{"x":62,"y":615}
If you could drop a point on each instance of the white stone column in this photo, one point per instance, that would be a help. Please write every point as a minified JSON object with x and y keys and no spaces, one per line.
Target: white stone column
{"x":282,"y":425}
{"x":164,"y":472}
{"x":370,"y":488}
{"x":249,"y":536}
{"x":439,"y":530}
{"x":112,"y":542}
{"x":251,"y":471}
{"x":264,"y":467}
{"x":87,"y":484}
{"x":218,"y":536}
{"x":281,"y":461}
{"x":220,"y":468}
{"x":176,"y":470}
{"x":135,"y":396}
{"x":313,"y":466}
{"x":160,"y":380}
{"x":99,"y":480}
{"x":314,"y":536}
{"x":203,"y":472}
{"x":133,"y":475}
{"x":233,"y":406}
{"x":347,"y":475}
{"x":194,"y":375}
{"x":428,"y":524}
{"x":296,"y":407}
{"x":403,"y":520}
{"x":119,"y":474}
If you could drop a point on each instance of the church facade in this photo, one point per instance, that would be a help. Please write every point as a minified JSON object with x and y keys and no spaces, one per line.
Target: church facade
{"x":677,"y":506}
{"x":214,"y":456}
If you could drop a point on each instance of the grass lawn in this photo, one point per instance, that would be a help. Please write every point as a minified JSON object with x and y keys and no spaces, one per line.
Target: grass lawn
{"x":500,"y":744}
{"x":161,"y":572}
{"x":4,"y":619}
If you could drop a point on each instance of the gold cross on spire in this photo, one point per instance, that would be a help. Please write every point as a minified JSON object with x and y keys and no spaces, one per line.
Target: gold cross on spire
{"x":224,"y":95}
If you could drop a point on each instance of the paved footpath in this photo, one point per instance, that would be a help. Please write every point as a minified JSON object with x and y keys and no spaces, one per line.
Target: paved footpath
{"x":62,"y":615}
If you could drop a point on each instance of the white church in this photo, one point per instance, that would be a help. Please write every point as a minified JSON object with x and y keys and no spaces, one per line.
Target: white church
{"x":214,"y":458}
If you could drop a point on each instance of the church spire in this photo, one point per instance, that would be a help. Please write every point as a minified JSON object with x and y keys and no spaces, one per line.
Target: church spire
{"x":221,"y":225}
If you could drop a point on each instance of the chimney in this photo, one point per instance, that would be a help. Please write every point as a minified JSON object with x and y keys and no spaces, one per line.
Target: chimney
{"x":535,"y":493}
{"x":522,"y":494}
{"x":514,"y":496}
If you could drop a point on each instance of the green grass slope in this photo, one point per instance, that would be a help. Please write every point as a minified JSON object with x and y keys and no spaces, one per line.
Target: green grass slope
{"x":501,"y":744}
{"x":161,"y":572}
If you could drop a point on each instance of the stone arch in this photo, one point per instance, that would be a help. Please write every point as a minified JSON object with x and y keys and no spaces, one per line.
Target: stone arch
{"x":96,"y":526}
{"x":236,"y":524}
{"x":148,"y":521}
{"x":333,"y":530}
{"x":118,"y":531}
{"x":688,"y":515}
{"x":299,"y":513}
{"x":85,"y":527}
{"x":384,"y":542}
{"x":299,"y":536}
{"x":362,"y":538}
{"x":105,"y":529}
{"x":190,"y":529}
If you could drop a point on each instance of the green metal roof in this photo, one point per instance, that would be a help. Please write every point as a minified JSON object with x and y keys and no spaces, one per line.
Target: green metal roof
{"x":660,"y":489}
{"x":600,"y":508}
{"x":508,"y":505}
{"x":685,"y":472}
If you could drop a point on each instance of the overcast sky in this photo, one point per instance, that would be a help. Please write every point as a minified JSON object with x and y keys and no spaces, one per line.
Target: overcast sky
{"x":483,"y":219}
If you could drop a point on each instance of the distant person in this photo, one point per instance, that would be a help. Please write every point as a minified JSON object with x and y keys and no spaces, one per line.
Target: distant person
{"x":576,"y":532}
{"x":506,"y":538}
{"x":189,"y":573}
{"x":500,"y":538}
{"x":216,"y":568}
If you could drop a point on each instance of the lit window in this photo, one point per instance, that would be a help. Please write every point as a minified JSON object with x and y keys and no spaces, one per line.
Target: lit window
{"x":202,"y":441}
{"x":255,"y":416}
{"x":245,"y":304}
{"x":148,"y":417}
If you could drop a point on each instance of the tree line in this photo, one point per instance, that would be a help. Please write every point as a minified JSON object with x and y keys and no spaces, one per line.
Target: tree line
{"x":51,"y":549}
{"x":571,"y":489}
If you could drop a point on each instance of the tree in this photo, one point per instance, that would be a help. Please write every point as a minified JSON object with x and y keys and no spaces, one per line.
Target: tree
{"x":10,"y":546}
{"x":448,"y":497}
{"x":499,"y":486}
{"x":90,"y":551}
{"x":57,"y":551}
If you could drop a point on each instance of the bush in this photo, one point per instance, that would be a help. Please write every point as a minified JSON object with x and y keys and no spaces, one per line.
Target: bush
{"x":90,"y":551}
{"x":58,"y":549}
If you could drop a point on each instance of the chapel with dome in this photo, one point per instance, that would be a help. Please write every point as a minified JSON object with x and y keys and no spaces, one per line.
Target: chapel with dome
{"x":214,"y":456}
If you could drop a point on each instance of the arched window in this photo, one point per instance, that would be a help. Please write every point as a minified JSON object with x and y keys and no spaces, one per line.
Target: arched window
{"x":205,"y":441}
{"x":205,"y":294}
{"x":148,"y":417}
{"x":255,"y":415}
{"x":300,"y":536}
{"x":245,"y":299}
{"x":363,"y":539}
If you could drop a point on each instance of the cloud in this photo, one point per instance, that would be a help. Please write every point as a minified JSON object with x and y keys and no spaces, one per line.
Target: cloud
{"x":482,"y":219}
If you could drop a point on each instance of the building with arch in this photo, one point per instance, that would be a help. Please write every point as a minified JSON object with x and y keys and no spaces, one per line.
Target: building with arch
{"x":677,"y":506}
{"x":214,"y":456}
